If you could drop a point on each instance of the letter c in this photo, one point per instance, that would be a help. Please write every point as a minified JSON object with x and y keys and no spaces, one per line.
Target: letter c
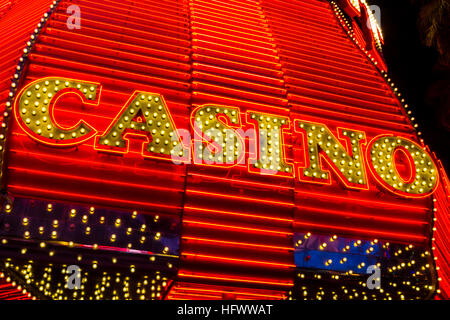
{"x":34,"y":108}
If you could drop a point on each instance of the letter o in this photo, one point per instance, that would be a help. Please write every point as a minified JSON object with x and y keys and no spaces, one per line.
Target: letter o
{"x":381,"y":161}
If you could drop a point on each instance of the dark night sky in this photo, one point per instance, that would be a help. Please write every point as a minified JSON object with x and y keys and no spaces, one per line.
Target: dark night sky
{"x":411,"y":66}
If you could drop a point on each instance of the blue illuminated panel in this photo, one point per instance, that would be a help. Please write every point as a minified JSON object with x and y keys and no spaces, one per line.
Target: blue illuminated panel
{"x":336,"y":254}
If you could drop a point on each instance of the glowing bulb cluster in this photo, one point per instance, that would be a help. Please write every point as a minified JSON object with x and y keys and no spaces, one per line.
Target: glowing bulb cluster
{"x":348,"y":165}
{"x":216,"y":142}
{"x":35,"y":109}
{"x":270,"y":148}
{"x":147,"y":115}
{"x":423,"y":169}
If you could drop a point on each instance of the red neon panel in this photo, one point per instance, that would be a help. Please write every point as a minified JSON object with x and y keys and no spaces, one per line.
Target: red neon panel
{"x":289,"y":58}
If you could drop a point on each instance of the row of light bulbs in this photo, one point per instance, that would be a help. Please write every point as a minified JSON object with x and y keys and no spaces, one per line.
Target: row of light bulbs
{"x":348,"y":28}
{"x":16,"y":79}
{"x":51,"y":281}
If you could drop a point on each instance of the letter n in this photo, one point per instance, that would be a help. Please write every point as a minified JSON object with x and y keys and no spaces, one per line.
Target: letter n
{"x":323,"y":150}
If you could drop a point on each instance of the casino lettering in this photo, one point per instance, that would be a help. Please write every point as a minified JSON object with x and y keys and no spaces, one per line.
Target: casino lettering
{"x":148,"y":115}
{"x":212,"y":149}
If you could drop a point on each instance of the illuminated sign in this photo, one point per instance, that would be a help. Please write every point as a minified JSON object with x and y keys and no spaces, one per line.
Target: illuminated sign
{"x":355,"y":4}
{"x":219,"y":139}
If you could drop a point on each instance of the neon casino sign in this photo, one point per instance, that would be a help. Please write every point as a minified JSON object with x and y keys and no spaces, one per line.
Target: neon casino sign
{"x":219,"y":139}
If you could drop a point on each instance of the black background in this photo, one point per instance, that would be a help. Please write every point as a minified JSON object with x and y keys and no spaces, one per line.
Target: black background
{"x":414,"y":70}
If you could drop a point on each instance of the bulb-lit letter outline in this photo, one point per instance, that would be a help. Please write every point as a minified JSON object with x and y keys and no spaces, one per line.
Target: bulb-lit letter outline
{"x":380,"y":157}
{"x":266,"y":121}
{"x":356,"y":175}
{"x":225,"y":117}
{"x":35,"y":104}
{"x":151,"y":109}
